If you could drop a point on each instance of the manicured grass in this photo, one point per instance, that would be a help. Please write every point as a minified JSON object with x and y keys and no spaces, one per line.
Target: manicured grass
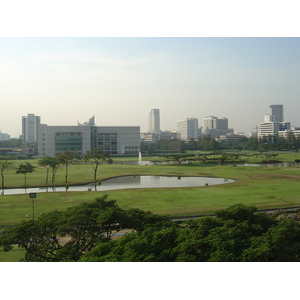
{"x":267,"y":191}
{"x":83,"y":172}
{"x":12,"y":256}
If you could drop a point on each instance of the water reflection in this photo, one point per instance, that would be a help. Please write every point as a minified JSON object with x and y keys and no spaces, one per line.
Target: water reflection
{"x":128,"y":182}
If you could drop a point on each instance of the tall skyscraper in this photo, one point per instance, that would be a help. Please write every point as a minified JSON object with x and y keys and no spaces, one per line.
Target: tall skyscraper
{"x":154,"y":121}
{"x":274,"y":123}
{"x":277,"y":112}
{"x":30,"y":125}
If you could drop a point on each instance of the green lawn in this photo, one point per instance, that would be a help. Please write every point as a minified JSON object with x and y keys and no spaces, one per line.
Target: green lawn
{"x":12,"y":256}
{"x":267,"y":191}
{"x":264,"y":187}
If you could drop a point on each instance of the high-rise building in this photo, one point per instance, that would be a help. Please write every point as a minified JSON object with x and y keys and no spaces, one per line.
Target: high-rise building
{"x":215,"y":127}
{"x":221,"y":123}
{"x":154,"y":121}
{"x":269,"y":118}
{"x":187,"y":129}
{"x":213,"y":122}
{"x":274,"y":123}
{"x":208,"y":122}
{"x":276,"y":110}
{"x":30,"y":126}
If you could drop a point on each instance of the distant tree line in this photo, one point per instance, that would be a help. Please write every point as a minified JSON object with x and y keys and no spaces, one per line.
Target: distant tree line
{"x":238,"y":233}
{"x":208,"y":143}
{"x":12,"y":143}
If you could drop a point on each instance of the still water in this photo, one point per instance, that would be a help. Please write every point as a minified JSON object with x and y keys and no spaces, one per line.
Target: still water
{"x":128,"y":182}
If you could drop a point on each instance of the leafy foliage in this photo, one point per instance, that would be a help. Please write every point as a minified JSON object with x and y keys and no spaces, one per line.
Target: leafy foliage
{"x":65,"y":158}
{"x":84,"y":226}
{"x":25,"y":168}
{"x":46,"y":163}
{"x":4,"y":165}
{"x":238,"y":233}
{"x":97,"y":157}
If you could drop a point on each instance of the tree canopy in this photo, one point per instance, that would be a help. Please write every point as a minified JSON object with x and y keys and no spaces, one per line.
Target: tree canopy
{"x":25,"y":168}
{"x":237,"y":234}
{"x":84,"y":226}
{"x":97,"y":157}
{"x":65,"y":158}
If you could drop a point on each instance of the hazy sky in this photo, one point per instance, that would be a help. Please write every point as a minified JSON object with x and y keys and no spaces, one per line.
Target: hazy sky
{"x":119,"y":80}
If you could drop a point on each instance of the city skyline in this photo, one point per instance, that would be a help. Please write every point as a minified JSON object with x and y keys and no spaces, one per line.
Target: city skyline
{"x":66,"y":80}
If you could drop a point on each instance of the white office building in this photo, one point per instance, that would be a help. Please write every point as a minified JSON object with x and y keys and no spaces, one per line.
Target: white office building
{"x":118,"y":139}
{"x":273,"y":123}
{"x":114,"y":140}
{"x":268,"y":128}
{"x":30,"y":125}
{"x":187,"y":129}
{"x":215,"y":127}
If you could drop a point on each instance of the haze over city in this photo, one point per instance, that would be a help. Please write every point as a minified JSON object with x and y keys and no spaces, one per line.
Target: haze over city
{"x":66,"y":80}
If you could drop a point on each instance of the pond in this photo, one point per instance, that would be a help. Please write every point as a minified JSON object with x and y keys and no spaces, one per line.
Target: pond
{"x":128,"y":182}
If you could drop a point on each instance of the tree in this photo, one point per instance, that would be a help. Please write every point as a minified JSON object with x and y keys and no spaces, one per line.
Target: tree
{"x":140,"y":220}
{"x":96,"y":158}
{"x":4,"y":165}
{"x":38,"y":237}
{"x":281,"y":243}
{"x":25,"y":168}
{"x":54,"y":165}
{"x":147,"y":246}
{"x":237,"y":233}
{"x":207,"y":143}
{"x":46,"y":162}
{"x":66,"y":158}
{"x":177,"y":157}
{"x":85,"y":224}
{"x":224,"y":237}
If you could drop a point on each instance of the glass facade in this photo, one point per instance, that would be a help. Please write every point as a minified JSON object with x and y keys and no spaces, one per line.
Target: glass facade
{"x":131,"y":149}
{"x":108,"y":142}
{"x":68,"y":141}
